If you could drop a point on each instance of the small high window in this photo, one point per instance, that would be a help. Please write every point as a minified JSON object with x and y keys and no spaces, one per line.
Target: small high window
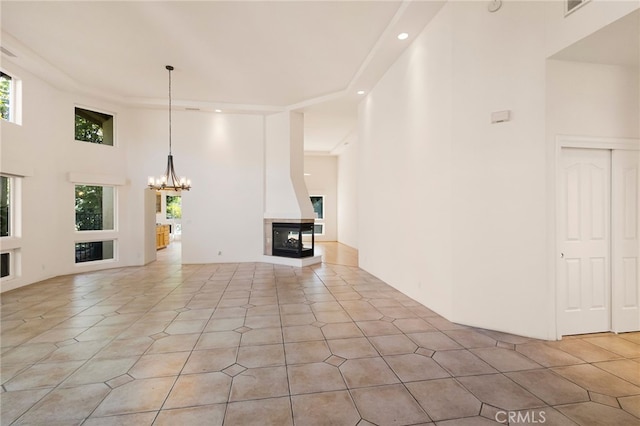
{"x":7,"y":97}
{"x":94,"y":127}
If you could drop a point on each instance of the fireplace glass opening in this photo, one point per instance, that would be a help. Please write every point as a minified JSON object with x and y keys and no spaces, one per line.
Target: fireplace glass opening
{"x":288,"y":239}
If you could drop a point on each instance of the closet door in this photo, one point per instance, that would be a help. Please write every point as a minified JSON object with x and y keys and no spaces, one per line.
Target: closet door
{"x":626,"y":244}
{"x":584,"y":235}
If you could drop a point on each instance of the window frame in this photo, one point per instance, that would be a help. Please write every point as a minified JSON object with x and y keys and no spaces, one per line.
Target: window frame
{"x":11,"y":209}
{"x":317,"y":220}
{"x":12,"y":243}
{"x":97,"y":111}
{"x":112,"y":259}
{"x":15,"y":98}
{"x":97,"y":235}
{"x":11,"y":265}
{"x":114,"y":202}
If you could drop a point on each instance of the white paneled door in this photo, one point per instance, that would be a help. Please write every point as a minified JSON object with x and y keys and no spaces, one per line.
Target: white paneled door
{"x":625,"y":250}
{"x":584,"y":240}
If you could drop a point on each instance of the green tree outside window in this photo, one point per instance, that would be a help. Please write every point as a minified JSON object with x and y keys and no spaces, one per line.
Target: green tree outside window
{"x":174,"y":207}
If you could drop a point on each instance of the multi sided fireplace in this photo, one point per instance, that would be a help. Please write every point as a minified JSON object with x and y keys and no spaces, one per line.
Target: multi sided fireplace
{"x":288,"y":239}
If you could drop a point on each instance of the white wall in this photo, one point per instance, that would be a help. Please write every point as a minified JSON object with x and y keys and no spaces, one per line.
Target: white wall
{"x":321,"y":177}
{"x":44,"y":151}
{"x":597,"y":100}
{"x":223,"y":155}
{"x":347,"y":195}
{"x":562,"y":31}
{"x":499,"y":199}
{"x":404,"y":171}
{"x":455,"y":206}
{"x":454,"y":210}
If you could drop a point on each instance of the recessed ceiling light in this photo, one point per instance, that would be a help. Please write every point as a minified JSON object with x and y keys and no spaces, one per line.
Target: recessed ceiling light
{"x":360,"y":92}
{"x":403,"y":36}
{"x":218,"y":110}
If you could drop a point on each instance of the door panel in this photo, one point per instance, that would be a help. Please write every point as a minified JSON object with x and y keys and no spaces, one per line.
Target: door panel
{"x":626,"y":244}
{"x":584,"y":241}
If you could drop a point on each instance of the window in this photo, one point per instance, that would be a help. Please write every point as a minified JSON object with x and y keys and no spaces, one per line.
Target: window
{"x":7,"y":96}
{"x":9,"y":226}
{"x":6,"y":216}
{"x":174,"y":207}
{"x":94,"y":127}
{"x":95,"y":208}
{"x":95,"y":250}
{"x":5,"y":265}
{"x":317,"y":201}
{"x":10,"y":98}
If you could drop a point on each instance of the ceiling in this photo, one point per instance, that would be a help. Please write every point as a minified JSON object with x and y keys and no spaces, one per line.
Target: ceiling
{"x":242,"y":56}
{"x":235,"y":56}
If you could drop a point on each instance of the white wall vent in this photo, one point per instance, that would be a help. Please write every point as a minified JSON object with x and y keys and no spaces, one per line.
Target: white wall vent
{"x":573,"y":5}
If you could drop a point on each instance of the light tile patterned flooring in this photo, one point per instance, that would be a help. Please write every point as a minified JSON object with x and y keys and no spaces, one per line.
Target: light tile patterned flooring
{"x":258,"y":344}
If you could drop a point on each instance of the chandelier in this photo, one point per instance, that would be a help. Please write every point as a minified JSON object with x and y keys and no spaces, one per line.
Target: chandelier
{"x":169,"y":181}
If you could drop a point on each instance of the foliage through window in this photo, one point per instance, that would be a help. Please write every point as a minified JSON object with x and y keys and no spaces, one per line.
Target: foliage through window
{"x":5,"y":206}
{"x":6,"y":96}
{"x":174,"y":207}
{"x":95,"y":208}
{"x":5,"y":265}
{"x":318,"y":205}
{"x":93,"y":127}
{"x":317,"y":201}
{"x":94,"y":250}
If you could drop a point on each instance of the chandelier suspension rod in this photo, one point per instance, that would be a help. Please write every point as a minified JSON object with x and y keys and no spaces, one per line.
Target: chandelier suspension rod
{"x":169,"y":68}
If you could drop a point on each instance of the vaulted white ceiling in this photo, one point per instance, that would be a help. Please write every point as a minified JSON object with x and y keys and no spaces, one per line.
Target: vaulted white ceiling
{"x":237,"y":56}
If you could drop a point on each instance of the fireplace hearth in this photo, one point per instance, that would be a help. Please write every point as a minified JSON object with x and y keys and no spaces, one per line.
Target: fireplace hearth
{"x":288,"y":239}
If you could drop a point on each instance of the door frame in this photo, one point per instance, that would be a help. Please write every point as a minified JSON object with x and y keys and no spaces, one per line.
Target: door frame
{"x":584,"y":142}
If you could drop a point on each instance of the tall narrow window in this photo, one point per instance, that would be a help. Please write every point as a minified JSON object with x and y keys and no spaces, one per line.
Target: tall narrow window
{"x":95,"y":208}
{"x":7,"y":96}
{"x":94,"y":127}
{"x":8,"y":225}
{"x":317,"y":201}
{"x":5,"y":206}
